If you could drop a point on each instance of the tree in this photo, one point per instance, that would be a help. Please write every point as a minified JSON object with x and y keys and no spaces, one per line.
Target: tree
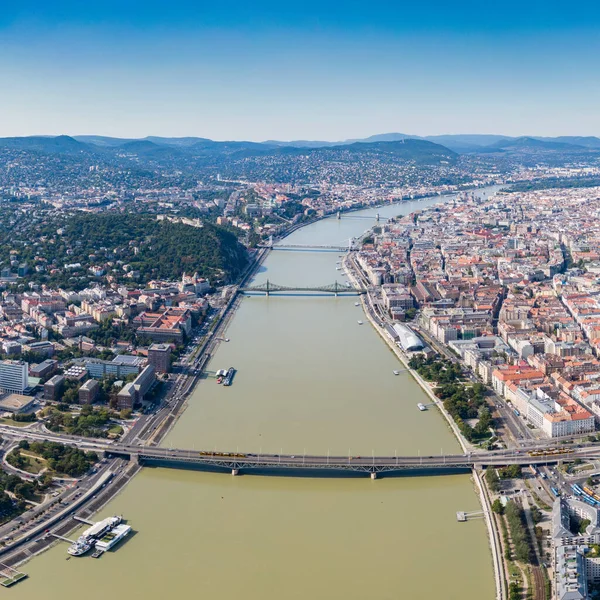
{"x":497,"y":506}
{"x":492,"y":479}
{"x":125,"y":413}
{"x":46,"y":480}
{"x":536,"y":514}
{"x":24,"y":445}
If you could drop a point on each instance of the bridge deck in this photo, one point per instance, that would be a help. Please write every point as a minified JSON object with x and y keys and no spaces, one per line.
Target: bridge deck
{"x":372,"y":464}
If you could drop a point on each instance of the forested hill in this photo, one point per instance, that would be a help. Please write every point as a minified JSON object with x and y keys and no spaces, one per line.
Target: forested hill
{"x":157,"y":249}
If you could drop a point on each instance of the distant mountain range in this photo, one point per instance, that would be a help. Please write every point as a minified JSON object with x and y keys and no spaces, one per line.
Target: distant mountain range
{"x":158,"y":148}
{"x":468,"y":143}
{"x":436,"y":147}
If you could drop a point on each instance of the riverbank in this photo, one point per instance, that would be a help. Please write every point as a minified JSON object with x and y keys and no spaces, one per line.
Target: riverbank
{"x":403,"y":357}
{"x":88,"y":504}
{"x":482,"y":493}
{"x":494,"y":544}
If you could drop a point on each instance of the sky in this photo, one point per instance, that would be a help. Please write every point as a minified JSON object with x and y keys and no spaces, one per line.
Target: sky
{"x":312,"y":69}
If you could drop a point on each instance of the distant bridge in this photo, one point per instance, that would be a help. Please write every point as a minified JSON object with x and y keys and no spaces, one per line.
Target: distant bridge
{"x":282,"y":463}
{"x":377,"y":217}
{"x":272,"y":288}
{"x":316,"y":247}
{"x":344,"y":246}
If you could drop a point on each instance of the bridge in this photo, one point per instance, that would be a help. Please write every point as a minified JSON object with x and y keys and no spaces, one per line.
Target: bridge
{"x":308,"y":247}
{"x":273,"y":288}
{"x":343,"y":246}
{"x":377,"y":217}
{"x":282,"y":464}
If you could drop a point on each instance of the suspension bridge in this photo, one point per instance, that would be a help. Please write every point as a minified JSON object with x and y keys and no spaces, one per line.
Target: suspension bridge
{"x":377,"y":217}
{"x":344,"y":246}
{"x":268,"y":288}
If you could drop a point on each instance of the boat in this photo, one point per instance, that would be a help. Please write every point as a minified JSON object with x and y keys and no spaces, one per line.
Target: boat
{"x":80,"y":546}
{"x":229,"y":377}
{"x":396,"y":372}
{"x":357,"y":304}
{"x":92,"y":534}
{"x":219,"y":379}
{"x":97,"y":530}
{"x":360,"y":322}
{"x":421,"y":406}
{"x":113,"y":537}
{"x":338,"y":268}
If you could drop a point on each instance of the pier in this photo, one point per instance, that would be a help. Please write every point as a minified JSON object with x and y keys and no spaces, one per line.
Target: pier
{"x":10,"y":575}
{"x":462,"y":517}
{"x":62,"y":538}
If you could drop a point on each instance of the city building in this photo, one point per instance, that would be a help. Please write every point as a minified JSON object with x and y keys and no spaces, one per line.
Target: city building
{"x":45,"y":368}
{"x":134,"y":392}
{"x":575,"y":563}
{"x":409,"y":341}
{"x":98,"y":369}
{"x":88,"y":392}
{"x":159,"y":356}
{"x":53,"y":387}
{"x":16,"y":403}
{"x":171,"y":325}
{"x":13,"y":375}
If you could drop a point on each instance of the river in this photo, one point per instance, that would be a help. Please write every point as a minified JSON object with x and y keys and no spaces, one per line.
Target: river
{"x":310,"y":379}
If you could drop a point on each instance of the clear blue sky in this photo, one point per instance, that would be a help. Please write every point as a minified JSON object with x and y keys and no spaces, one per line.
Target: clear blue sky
{"x":316,"y":69}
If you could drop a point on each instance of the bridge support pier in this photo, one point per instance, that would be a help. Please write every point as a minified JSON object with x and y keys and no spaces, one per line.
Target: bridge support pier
{"x":235,"y":472}
{"x":373,"y":475}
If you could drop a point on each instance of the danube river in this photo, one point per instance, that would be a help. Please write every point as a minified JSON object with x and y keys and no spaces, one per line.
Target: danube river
{"x":310,"y":379}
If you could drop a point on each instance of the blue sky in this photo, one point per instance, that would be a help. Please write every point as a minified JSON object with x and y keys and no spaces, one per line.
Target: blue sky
{"x":298,"y":70}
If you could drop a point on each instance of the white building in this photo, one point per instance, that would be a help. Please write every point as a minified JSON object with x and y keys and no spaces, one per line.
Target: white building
{"x":13,"y":375}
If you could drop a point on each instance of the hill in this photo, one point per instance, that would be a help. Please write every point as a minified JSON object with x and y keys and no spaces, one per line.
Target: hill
{"x":528,"y":144}
{"x":166,"y":250}
{"x":59,"y":144}
{"x":407,"y":150}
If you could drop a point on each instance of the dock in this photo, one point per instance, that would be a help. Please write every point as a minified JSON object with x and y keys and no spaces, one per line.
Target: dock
{"x":10,"y":576}
{"x":462,"y":516}
{"x":61,"y":537}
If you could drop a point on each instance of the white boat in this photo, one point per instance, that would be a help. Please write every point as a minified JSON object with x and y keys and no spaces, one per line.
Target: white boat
{"x":357,"y":304}
{"x":112,"y":538}
{"x":101,"y":527}
{"x":396,"y":372}
{"x":338,"y":268}
{"x":360,"y":322}
{"x":421,"y":406}
{"x":80,"y":546}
